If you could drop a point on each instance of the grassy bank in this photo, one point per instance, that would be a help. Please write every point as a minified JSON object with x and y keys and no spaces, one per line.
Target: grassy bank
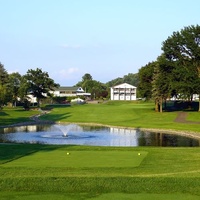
{"x":127,"y":114}
{"x":10,"y":115}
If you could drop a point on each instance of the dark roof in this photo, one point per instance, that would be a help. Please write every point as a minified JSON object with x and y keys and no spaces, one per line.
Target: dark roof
{"x":69,"y":89}
{"x":64,"y":88}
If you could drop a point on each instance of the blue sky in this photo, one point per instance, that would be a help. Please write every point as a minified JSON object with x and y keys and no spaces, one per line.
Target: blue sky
{"x":105,"y":38}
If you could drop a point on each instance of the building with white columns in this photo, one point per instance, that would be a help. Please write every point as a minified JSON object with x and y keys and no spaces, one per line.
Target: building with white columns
{"x":123,"y":92}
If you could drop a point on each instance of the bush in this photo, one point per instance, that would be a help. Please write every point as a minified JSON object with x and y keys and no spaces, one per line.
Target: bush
{"x":26,"y":104}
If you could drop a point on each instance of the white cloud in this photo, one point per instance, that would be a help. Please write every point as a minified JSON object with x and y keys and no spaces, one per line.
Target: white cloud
{"x":69,"y":71}
{"x":67,"y":77}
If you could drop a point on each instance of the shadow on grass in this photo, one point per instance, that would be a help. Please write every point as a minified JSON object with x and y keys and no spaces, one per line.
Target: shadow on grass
{"x":11,"y":121}
{"x":52,"y":106}
{"x":10,"y":152}
{"x":55,"y":117}
{"x":3,"y":113}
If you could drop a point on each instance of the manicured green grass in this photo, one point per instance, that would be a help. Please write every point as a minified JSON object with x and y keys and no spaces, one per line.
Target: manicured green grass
{"x":31,"y":171}
{"x":110,"y":196}
{"x":194,"y":116}
{"x":157,"y":161}
{"x":117,"y":113}
{"x":15,"y":115}
{"x":81,"y":159}
{"x":42,"y":171}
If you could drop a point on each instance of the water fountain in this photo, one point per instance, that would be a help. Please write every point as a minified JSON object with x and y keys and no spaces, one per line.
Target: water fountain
{"x":64,"y":129}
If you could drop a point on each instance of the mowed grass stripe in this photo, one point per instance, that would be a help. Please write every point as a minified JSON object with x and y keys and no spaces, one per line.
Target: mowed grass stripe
{"x":110,"y":196}
{"x":80,"y":159}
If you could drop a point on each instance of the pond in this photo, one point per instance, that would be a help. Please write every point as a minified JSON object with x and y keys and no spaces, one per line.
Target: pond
{"x":75,"y":134}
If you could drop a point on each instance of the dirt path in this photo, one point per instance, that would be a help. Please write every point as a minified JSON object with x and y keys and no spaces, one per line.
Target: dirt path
{"x":181,"y":118}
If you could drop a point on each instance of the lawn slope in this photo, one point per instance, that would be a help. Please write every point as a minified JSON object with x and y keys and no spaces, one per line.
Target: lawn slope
{"x":126,"y":114}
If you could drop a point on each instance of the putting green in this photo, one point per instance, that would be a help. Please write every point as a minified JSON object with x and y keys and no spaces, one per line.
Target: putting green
{"x":60,"y":158}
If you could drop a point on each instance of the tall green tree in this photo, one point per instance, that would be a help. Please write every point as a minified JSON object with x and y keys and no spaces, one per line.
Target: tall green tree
{"x":14,"y":86}
{"x":183,"y":47}
{"x":145,"y":75}
{"x":86,"y":77}
{"x":3,"y":90}
{"x":3,"y":86}
{"x":161,"y":83}
{"x":185,"y":82}
{"x":39,"y":83}
{"x":3,"y":75}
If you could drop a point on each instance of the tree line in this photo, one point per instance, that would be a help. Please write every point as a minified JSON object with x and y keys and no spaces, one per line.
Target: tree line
{"x":16,"y":88}
{"x":176,"y":72}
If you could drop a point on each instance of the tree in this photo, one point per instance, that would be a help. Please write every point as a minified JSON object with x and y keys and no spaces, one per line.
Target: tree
{"x":39,"y":83}
{"x":183,"y":47}
{"x":145,"y":80}
{"x":185,"y":82}
{"x":3,"y":86}
{"x":86,"y":77}
{"x":115,"y":82}
{"x":131,"y":79}
{"x":14,"y":86}
{"x":23,"y":90}
{"x":96,"y":88}
{"x":162,"y":82}
{"x":3,"y":90}
{"x":3,"y":75}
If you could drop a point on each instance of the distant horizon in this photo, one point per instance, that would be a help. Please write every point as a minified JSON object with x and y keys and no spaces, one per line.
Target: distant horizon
{"x":79,"y":80}
{"x":107,"y":39}
{"x":93,"y":79}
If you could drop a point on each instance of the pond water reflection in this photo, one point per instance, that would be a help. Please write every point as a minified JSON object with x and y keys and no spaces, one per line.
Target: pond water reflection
{"x":92,"y":135}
